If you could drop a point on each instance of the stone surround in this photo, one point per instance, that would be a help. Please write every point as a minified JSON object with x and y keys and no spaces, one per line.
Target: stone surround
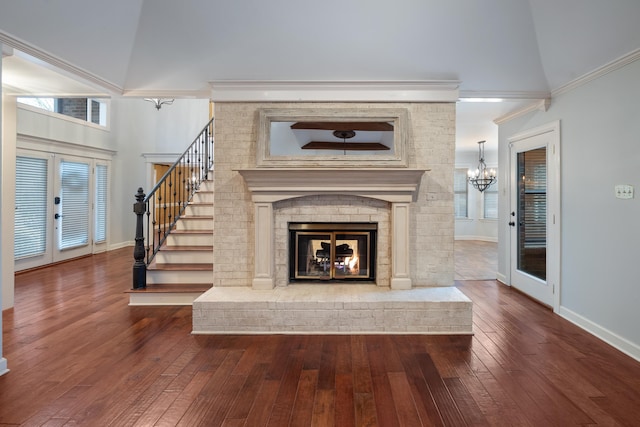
{"x":340,"y":188}
{"x":430,"y":146}
{"x":332,"y":309}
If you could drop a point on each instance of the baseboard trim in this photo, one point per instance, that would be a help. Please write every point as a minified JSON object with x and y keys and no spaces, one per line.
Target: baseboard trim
{"x":611,"y":338}
{"x":121,"y":245}
{"x":502,"y":279}
{"x":3,"y":366}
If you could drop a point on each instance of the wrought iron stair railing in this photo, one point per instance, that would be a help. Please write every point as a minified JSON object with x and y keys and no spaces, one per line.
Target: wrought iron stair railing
{"x":158,"y":211}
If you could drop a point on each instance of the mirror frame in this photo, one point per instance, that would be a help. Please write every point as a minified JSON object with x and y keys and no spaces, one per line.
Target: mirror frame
{"x":398,"y":116}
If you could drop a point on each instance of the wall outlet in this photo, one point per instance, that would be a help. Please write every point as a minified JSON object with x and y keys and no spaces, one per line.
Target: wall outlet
{"x":624,"y":191}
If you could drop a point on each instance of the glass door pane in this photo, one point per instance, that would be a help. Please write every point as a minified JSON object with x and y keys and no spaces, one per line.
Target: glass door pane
{"x":313,"y":256}
{"x":352,"y":255}
{"x":532,"y":212}
{"x":100,"y":215}
{"x":74,"y":205}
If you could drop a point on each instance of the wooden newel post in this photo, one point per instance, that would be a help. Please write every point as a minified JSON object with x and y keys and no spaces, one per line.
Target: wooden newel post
{"x":139,"y":267}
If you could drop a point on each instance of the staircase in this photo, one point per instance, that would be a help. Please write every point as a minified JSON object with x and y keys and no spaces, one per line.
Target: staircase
{"x":183,"y":267}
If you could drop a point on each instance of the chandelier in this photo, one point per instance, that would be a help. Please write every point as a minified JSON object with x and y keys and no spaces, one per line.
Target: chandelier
{"x":481,"y":178}
{"x":159,"y":102}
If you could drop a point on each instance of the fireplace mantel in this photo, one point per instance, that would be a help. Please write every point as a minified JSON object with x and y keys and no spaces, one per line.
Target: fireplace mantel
{"x":268,"y":185}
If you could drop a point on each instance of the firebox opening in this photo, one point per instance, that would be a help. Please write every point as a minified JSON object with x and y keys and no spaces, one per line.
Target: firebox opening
{"x":332,"y":251}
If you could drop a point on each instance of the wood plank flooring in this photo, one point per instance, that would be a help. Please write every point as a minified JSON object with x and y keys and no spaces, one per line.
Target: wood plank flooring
{"x":79,"y":356}
{"x":475,"y":260}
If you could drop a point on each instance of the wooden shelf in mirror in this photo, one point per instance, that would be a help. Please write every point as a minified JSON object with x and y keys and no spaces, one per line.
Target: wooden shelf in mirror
{"x":348,"y":146}
{"x":362,"y":126}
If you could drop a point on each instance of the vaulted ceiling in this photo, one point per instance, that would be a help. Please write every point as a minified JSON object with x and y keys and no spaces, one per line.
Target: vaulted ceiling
{"x":514,"y":49}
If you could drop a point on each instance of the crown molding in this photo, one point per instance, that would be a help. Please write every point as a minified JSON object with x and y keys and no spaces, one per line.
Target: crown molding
{"x":614,"y":65}
{"x":58,"y":63}
{"x":505,"y":95}
{"x":543,"y":104}
{"x":540,"y":105}
{"x":6,"y":50}
{"x":175,"y":94}
{"x":334,"y":91}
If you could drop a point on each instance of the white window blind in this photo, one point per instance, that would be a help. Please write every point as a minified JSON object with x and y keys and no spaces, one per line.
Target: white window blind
{"x":100,"y":228}
{"x":532,"y":209}
{"x":460,"y":193}
{"x":30,"y":223}
{"x":490,"y":195}
{"x":74,"y":201}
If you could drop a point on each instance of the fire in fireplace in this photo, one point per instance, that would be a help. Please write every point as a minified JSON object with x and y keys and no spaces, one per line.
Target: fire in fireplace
{"x":332,"y":251}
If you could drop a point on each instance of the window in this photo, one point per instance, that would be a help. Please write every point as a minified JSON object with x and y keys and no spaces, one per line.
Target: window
{"x":31,"y":207}
{"x":460,"y":198}
{"x":100,"y":229}
{"x":92,"y":110}
{"x":490,"y":208}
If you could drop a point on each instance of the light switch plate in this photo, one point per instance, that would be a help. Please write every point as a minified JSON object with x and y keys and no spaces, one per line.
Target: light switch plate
{"x":624,"y":191}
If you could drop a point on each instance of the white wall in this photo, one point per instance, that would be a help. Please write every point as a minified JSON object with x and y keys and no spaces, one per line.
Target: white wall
{"x":475,"y":227}
{"x":600,"y":147}
{"x":136,"y":128}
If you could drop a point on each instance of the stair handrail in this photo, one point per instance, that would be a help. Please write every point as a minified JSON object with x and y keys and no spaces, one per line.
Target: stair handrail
{"x":168,"y":199}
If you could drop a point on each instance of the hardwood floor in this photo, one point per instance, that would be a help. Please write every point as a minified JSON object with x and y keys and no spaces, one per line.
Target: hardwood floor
{"x":80,"y":356}
{"x":475,"y":260}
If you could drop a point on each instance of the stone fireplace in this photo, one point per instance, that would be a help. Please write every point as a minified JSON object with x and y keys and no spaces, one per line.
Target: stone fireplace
{"x":410,"y":186}
{"x":405,"y":194}
{"x":404,"y":186}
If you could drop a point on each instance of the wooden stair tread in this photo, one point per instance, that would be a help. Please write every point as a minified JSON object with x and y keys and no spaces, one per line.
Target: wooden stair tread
{"x":181,"y":267}
{"x":173,"y":287}
{"x":196,"y":217}
{"x":192,"y":231}
{"x":186,"y":248}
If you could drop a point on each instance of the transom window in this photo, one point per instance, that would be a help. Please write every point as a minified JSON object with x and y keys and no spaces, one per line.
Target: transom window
{"x":92,"y":110}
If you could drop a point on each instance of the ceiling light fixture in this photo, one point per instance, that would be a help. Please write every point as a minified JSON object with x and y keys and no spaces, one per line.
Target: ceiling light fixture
{"x":159,"y":102}
{"x":344,"y":134}
{"x":481,"y":178}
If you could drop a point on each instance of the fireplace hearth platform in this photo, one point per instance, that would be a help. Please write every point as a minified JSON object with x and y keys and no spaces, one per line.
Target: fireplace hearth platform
{"x":332,"y":309}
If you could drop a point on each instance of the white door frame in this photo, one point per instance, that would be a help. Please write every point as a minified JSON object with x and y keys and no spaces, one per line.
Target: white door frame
{"x":35,"y":147}
{"x":554,"y":216}
{"x":81,"y":249}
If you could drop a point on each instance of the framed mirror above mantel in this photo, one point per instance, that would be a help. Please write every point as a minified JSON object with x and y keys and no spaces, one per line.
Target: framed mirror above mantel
{"x":332,"y":137}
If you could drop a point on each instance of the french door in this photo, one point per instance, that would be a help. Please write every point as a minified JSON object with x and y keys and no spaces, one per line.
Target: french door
{"x":60,"y":210}
{"x":534,"y":214}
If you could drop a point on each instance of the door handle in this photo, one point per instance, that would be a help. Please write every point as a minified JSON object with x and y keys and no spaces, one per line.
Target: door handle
{"x":512,"y":223}
{"x":56,"y":216}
